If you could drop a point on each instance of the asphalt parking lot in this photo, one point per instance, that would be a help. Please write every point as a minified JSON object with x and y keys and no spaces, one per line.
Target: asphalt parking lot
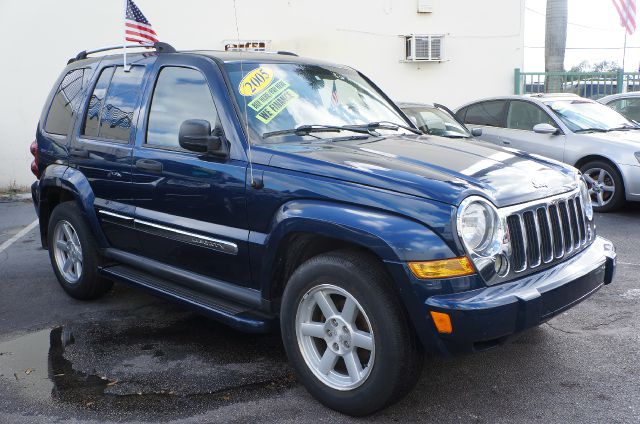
{"x":133,"y":357}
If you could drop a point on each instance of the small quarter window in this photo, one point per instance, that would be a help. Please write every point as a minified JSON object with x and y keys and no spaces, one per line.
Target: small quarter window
{"x":180,"y":94}
{"x":65,"y":102}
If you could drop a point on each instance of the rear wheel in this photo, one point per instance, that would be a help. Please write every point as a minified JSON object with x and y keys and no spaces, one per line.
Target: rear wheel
{"x":605,"y":186}
{"x":74,"y":254}
{"x":346,"y":333}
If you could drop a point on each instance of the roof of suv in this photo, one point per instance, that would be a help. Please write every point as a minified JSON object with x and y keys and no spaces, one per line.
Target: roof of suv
{"x":223,"y":56}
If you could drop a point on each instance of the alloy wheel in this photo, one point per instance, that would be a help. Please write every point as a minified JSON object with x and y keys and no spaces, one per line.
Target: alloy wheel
{"x":602,"y":186}
{"x":335,"y":337}
{"x":67,"y":251}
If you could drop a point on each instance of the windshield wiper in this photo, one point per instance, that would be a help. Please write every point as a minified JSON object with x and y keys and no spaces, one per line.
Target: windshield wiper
{"x":385,"y":125}
{"x":623,"y":128}
{"x":454,"y":136}
{"x":303,"y":130}
{"x":581,"y":130}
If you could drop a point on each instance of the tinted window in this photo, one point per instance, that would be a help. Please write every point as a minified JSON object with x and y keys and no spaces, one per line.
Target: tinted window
{"x":630,"y":108}
{"x":525,"y":115}
{"x":117,"y":109}
{"x":109,"y":116}
{"x":486,"y":113}
{"x":92,"y":118}
{"x":65,"y":101}
{"x":180,"y":94}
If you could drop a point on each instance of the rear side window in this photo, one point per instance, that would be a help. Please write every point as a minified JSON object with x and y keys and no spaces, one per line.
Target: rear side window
{"x":112,"y":103}
{"x":180,"y":94}
{"x":65,"y":102}
{"x":486,"y":113}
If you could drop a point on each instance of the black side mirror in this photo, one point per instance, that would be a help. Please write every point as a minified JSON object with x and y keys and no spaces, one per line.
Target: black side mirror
{"x":476,"y":132}
{"x":195,"y":135}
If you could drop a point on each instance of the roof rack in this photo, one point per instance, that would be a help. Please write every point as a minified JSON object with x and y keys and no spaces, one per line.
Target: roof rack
{"x":158,"y":46}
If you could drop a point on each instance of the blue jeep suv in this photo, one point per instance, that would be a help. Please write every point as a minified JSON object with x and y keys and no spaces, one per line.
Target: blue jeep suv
{"x":266,"y":190}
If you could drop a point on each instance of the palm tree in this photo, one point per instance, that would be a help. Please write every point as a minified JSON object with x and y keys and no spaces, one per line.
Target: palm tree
{"x":555,"y":42}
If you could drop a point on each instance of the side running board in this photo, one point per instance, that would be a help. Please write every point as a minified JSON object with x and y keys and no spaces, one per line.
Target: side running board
{"x":233,"y":314}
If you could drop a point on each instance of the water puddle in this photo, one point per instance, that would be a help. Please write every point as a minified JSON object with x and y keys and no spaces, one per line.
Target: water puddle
{"x":119,"y":366}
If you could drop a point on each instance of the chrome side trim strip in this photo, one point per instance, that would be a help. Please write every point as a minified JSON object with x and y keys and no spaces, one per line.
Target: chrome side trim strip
{"x":187,"y":237}
{"x":115,"y":215}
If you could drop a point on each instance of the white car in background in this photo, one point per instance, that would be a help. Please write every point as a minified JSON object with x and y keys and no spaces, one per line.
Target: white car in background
{"x":594,"y":138}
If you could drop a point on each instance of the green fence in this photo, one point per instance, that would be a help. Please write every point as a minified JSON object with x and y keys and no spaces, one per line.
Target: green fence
{"x":586,"y":84}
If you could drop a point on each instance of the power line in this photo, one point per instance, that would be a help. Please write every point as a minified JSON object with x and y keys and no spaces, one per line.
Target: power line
{"x":572,"y":23}
{"x":586,"y":48}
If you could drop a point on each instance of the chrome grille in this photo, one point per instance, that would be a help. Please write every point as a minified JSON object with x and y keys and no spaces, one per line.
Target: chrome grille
{"x":544,"y":232}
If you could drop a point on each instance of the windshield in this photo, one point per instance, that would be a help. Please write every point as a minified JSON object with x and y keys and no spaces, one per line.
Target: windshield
{"x":585,"y":115}
{"x":284,"y":96}
{"x":434,"y":121}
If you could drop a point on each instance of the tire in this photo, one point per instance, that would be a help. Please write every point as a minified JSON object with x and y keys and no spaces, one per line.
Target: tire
{"x":70,"y":240}
{"x":608,"y":194}
{"x":388,"y":371}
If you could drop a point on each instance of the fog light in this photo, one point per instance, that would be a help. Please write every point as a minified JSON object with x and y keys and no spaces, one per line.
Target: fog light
{"x":442,"y":322}
{"x":443,"y":268}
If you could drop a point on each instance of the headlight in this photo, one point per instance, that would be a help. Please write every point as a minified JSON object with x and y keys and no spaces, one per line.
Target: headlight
{"x":637,"y":156}
{"x":586,"y":200}
{"x":479,"y":227}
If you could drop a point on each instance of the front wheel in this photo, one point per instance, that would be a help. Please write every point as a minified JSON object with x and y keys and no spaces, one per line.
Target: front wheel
{"x":346,"y":333}
{"x":605,"y":186}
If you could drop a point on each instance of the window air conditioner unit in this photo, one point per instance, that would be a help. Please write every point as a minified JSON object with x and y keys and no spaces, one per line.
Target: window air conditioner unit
{"x":424,"y":48}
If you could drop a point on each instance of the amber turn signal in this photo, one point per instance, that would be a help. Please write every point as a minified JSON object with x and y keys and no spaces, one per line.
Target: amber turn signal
{"x":442,"y":322}
{"x":442,"y":268}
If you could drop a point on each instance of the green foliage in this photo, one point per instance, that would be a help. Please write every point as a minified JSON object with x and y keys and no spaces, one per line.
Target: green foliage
{"x":603,"y":66}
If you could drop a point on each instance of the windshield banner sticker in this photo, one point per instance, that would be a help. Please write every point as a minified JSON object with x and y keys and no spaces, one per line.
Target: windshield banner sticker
{"x":263,"y":99}
{"x":255,"y":81}
{"x":276,"y":106}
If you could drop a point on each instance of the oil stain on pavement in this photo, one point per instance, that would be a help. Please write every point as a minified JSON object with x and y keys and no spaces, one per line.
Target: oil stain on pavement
{"x":145,"y":367}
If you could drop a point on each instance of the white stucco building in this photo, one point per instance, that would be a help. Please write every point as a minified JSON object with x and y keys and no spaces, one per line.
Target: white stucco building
{"x":474,"y":48}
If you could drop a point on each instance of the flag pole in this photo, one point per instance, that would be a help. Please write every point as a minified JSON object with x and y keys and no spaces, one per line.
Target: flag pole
{"x":624,"y":54}
{"x":124,"y":43}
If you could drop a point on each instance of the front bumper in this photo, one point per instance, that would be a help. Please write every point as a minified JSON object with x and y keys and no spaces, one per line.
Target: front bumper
{"x":485,"y":317}
{"x":631,"y":178}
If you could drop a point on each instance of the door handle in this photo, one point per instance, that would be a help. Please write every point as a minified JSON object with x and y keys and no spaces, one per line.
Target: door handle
{"x":149,"y":165}
{"x":79,"y":153}
{"x":506,"y":142}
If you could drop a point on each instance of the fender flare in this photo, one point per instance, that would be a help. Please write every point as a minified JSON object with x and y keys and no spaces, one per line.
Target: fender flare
{"x":62,"y":177}
{"x":393,"y":238}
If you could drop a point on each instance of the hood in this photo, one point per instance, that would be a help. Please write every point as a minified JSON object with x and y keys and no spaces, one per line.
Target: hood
{"x":442,"y":169}
{"x":629,"y":138}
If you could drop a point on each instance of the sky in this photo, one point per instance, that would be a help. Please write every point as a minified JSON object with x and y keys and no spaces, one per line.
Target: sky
{"x":594,"y":34}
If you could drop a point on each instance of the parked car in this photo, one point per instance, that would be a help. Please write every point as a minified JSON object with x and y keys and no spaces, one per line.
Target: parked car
{"x":436,"y":119}
{"x":270,"y":190}
{"x":601,"y":143}
{"x":628,"y":104}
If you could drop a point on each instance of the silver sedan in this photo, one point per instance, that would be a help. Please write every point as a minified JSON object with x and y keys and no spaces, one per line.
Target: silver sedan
{"x":599,"y":141}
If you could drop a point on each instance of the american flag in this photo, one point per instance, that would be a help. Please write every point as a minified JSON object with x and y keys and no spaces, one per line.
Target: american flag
{"x":137,"y":27}
{"x":627,"y":11}
{"x":334,"y":95}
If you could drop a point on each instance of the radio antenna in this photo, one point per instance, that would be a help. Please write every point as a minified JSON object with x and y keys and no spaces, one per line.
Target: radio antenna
{"x":254,"y":184}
